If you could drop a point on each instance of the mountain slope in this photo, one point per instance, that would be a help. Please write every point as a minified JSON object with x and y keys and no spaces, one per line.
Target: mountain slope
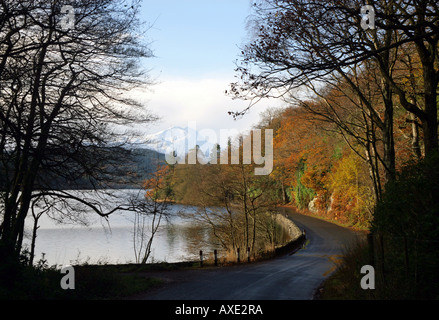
{"x":180,"y":140}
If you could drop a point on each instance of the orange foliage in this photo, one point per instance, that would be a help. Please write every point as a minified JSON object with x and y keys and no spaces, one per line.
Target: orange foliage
{"x":157,"y":182}
{"x":328,"y":167}
{"x":297,"y":140}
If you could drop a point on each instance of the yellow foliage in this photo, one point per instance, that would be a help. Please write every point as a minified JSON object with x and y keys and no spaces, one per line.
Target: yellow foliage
{"x":352,"y":199}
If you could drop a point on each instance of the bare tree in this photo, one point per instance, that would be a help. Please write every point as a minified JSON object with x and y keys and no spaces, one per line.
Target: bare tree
{"x":149,"y":213}
{"x":64,"y":87}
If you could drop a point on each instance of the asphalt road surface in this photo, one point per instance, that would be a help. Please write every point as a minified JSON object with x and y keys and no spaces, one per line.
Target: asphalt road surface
{"x":290,"y":277}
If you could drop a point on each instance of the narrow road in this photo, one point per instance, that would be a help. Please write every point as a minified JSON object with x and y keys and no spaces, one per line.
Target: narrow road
{"x":290,"y":277}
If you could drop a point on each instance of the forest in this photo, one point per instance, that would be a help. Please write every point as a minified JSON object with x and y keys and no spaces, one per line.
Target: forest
{"x":357,"y":140}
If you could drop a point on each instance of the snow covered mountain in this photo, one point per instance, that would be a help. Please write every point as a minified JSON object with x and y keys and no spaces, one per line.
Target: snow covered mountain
{"x":181,"y":140}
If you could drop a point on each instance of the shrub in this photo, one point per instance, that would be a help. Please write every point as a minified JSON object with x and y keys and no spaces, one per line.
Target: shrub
{"x":405,"y":230}
{"x":408,"y":218}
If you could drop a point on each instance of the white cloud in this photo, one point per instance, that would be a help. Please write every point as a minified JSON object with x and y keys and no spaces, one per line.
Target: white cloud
{"x":180,"y":101}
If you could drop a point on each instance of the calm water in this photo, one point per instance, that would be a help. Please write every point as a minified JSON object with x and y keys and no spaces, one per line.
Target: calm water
{"x":111,"y":241}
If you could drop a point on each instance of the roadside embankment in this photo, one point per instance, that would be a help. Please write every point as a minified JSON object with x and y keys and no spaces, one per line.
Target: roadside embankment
{"x":297,"y":236}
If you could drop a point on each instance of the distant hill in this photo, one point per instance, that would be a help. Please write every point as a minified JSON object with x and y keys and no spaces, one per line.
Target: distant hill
{"x":143,"y":162}
{"x":127,"y":166}
{"x":123,"y":168}
{"x":135,"y":167}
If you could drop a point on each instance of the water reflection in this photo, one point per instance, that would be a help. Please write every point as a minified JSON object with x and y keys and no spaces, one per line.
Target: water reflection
{"x":111,"y":241}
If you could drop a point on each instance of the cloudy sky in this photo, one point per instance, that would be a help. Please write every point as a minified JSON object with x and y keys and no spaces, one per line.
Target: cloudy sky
{"x":196,"y":44}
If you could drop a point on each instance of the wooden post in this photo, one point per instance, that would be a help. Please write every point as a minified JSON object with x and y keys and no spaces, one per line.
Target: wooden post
{"x":215,"y":253}
{"x":201,"y":258}
{"x":248,"y":254}
{"x":239,"y":258}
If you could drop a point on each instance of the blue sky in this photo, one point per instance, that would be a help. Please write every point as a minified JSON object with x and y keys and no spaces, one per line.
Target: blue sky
{"x":196,"y":38}
{"x":196,"y":44}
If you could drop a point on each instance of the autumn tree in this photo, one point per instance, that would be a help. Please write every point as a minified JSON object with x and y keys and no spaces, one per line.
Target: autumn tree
{"x":307,"y":44}
{"x":323,"y":174}
{"x":351,"y":198}
{"x":234,"y":202}
{"x":360,"y":126}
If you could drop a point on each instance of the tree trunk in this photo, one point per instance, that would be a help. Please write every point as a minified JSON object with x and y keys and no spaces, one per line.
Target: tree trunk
{"x":388,"y":139}
{"x":415,"y":137}
{"x":427,"y":54}
{"x":33,"y":242}
{"x":430,"y":124}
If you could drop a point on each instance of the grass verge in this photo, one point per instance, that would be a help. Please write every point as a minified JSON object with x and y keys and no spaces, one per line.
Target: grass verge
{"x":391,"y":279}
{"x":91,"y":283}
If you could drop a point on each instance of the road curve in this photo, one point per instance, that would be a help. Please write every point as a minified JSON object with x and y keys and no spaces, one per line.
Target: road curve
{"x":290,"y":277}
